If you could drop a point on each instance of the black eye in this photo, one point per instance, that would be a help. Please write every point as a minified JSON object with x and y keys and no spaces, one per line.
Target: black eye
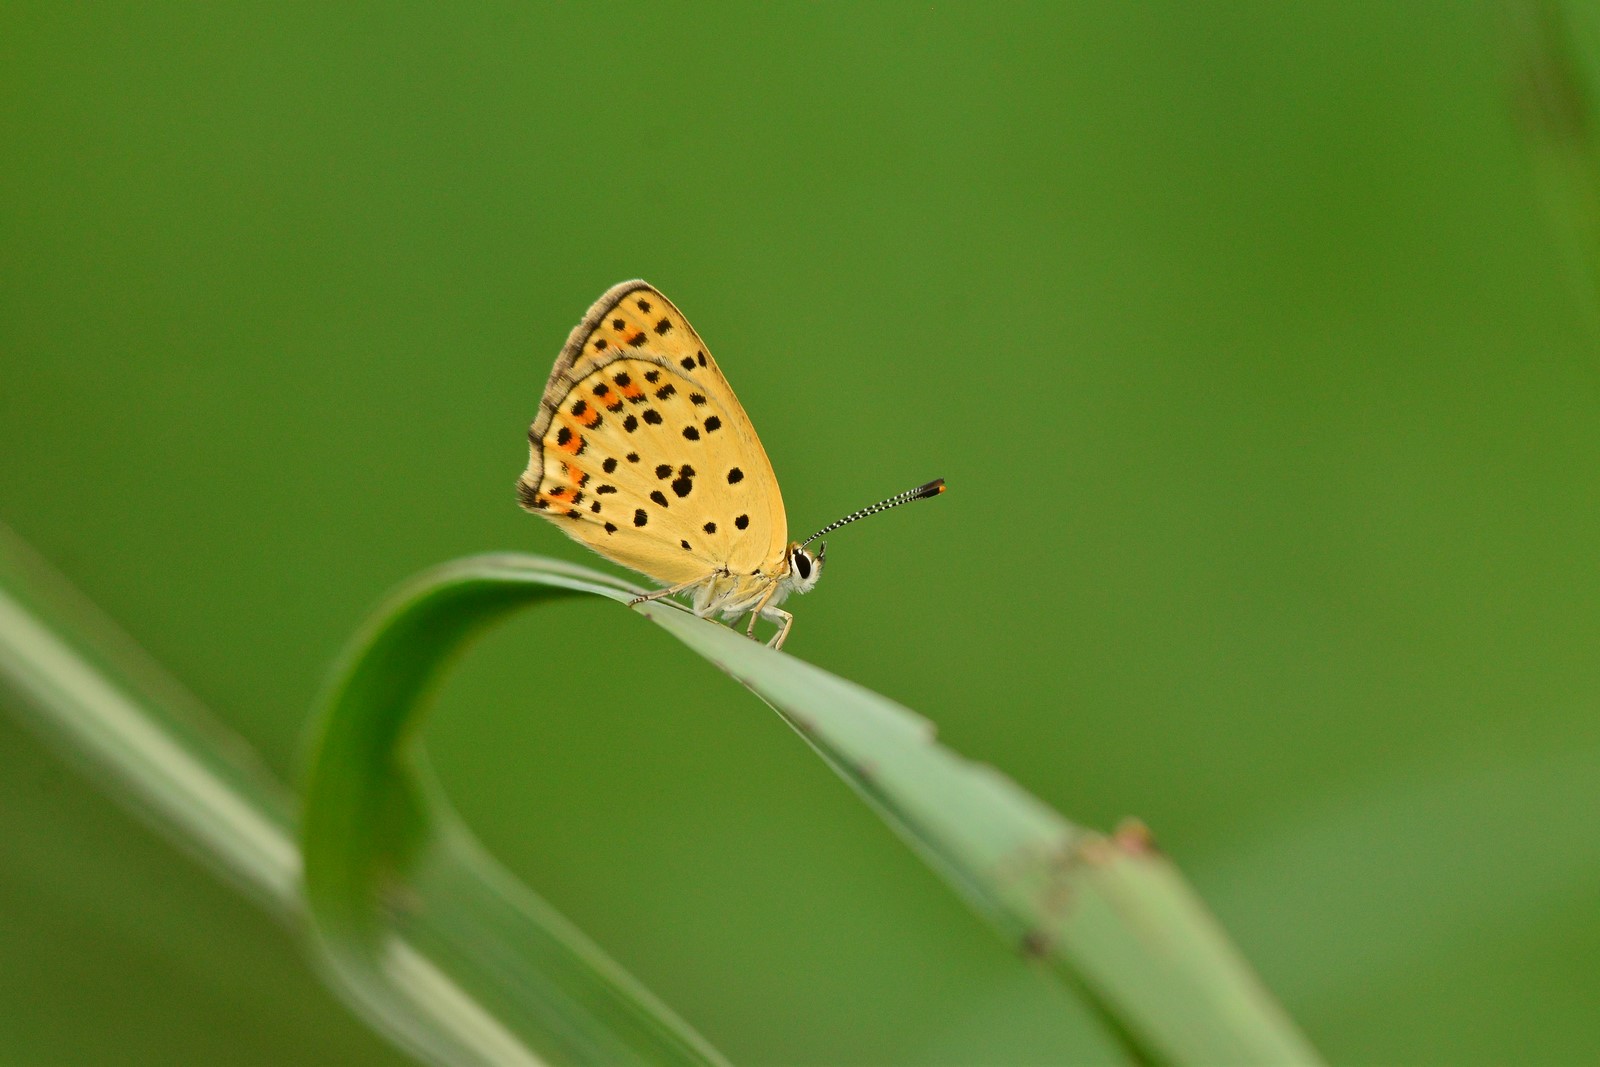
{"x":802,"y":563}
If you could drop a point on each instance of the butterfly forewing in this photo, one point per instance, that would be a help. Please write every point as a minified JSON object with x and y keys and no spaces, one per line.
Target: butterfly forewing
{"x":642,"y":452}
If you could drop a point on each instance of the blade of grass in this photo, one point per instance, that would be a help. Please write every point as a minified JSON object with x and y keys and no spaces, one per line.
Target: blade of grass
{"x":1111,"y":913}
{"x":382,"y":848}
{"x":387,"y":862}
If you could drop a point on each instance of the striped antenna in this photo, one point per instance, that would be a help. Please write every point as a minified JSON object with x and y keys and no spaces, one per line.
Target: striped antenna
{"x":921,"y":492}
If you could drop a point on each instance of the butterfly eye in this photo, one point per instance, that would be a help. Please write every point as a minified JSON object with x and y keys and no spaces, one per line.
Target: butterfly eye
{"x":802,"y":565}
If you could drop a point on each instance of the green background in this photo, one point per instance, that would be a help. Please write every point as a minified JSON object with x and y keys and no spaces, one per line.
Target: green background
{"x":1262,"y":386}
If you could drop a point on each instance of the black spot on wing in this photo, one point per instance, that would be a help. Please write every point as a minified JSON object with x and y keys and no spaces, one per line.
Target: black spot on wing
{"x":639,"y":517}
{"x":659,"y":497}
{"x":713,"y":424}
{"x":742,"y":521}
{"x":692,"y":433}
{"x":610,"y":465}
{"x":652,"y":416}
{"x":663,"y":326}
{"x":735,"y":476}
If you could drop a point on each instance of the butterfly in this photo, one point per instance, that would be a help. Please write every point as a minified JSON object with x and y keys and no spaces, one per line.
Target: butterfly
{"x":642,"y":452}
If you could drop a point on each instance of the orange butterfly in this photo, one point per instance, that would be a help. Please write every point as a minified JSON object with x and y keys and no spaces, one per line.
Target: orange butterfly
{"x":642,"y":452}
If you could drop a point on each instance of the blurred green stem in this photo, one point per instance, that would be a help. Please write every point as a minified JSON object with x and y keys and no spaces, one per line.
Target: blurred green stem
{"x":107,"y":708}
{"x":98,"y":700}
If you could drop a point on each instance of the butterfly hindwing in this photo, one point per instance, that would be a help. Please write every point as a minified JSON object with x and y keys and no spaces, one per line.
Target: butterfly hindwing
{"x":642,"y":451}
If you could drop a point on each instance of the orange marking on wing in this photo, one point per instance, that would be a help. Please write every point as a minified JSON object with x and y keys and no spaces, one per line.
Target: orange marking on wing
{"x":589,"y":418}
{"x":632,"y":391}
{"x":574,"y":442}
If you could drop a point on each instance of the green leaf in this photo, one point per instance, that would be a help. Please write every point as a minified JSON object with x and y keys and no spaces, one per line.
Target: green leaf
{"x":403,"y":901}
{"x":387,"y":862}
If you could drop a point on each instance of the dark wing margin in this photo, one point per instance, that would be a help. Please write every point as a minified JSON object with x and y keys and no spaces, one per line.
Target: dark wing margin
{"x":563,"y":379}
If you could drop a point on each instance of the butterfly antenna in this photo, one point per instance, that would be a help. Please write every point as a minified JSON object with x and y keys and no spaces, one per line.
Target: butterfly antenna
{"x":921,"y":492}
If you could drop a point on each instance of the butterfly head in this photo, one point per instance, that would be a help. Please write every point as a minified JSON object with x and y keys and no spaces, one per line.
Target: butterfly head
{"x":804,"y":567}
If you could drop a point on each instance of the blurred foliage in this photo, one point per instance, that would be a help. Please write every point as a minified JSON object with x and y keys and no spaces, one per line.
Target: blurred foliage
{"x":1240,"y":334}
{"x":1555,"y":53}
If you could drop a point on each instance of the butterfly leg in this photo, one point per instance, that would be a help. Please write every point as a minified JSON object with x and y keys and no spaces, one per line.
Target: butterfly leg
{"x":760,"y":610}
{"x":709,"y":597}
{"x":784,"y":621}
{"x":660,"y":593}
